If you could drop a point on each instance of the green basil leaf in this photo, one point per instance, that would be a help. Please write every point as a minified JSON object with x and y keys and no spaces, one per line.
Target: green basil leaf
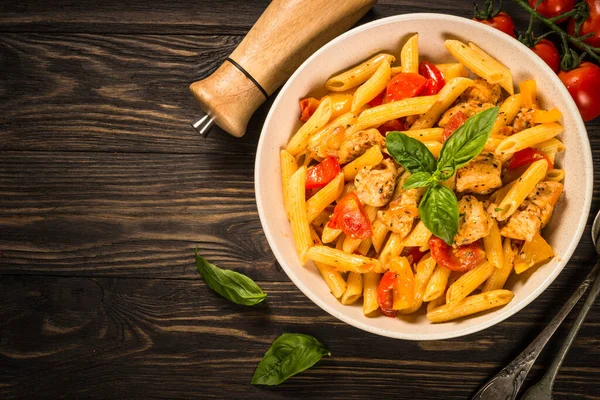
{"x":410,"y":153}
{"x":439,"y":212}
{"x":289,"y":354}
{"x":232,"y":285}
{"x":417,"y":180}
{"x":467,"y":141}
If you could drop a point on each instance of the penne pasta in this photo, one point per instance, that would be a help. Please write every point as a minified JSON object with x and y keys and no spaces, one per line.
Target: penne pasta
{"x":359,"y":74}
{"x":423,"y":273}
{"x":329,"y":137}
{"x":370,"y":292}
{"x":426,"y":135}
{"x":409,"y":56}
{"x":298,"y":215}
{"x":506,"y":114}
{"x":506,"y":82}
{"x":473,"y":61}
{"x":370,"y":158}
{"x":418,"y":237}
{"x":528,"y":138}
{"x":520,"y":189}
{"x":324,"y":197}
{"x":380,"y":232}
{"x":437,"y":283}
{"x":340,"y":260}
{"x":452,"y":70}
{"x":393,"y":247}
{"x":555,"y":175}
{"x":500,"y":275}
{"x":354,"y":288}
{"x":434,"y":147}
{"x":470,"y":305}
{"x":321,"y":116}
{"x":288,"y":167}
{"x":468,"y":282}
{"x":447,"y":95}
{"x":330,"y":234}
{"x":333,"y":278}
{"x":492,"y":243}
{"x":372,"y":87}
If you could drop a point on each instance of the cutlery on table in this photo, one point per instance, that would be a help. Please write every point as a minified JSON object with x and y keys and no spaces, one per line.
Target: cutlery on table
{"x":285,"y":35}
{"x":506,"y":384}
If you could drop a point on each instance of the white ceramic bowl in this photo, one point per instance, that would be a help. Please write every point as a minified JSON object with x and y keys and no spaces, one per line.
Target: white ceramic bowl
{"x":388,"y":35}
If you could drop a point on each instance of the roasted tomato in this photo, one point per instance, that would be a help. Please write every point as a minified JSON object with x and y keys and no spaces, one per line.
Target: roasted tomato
{"x":435,"y":79}
{"x":527,"y":156}
{"x":590,"y":25}
{"x":553,"y":8}
{"x":322,"y":173}
{"x":583,"y":83}
{"x":461,"y":259}
{"x":350,"y":217}
{"x":404,"y":85}
{"x":453,"y":124}
{"x":547,"y":51}
{"x":392,"y":125}
{"x":308,"y":107}
{"x":385,"y":294}
{"x":501,"y":21}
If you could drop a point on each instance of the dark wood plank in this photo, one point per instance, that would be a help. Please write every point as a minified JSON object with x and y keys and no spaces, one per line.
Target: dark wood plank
{"x":130,"y":215}
{"x":184,"y":17}
{"x":176,"y":339}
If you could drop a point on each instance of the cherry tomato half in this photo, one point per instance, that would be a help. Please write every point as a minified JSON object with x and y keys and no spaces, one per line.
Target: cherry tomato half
{"x":547,"y":51}
{"x":453,"y":124}
{"x":378,"y":100}
{"x":461,"y":259}
{"x":590,"y":25}
{"x":553,"y":8}
{"x":308,"y":107}
{"x":435,"y":79}
{"x":392,"y":125}
{"x":322,"y":173}
{"x":404,"y":85}
{"x":502,"y":21}
{"x":527,"y":156}
{"x":583,"y":83}
{"x":349,"y":216}
{"x":385,"y":293}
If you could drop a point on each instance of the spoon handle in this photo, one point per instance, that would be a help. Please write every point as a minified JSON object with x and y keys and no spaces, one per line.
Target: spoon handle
{"x":506,"y":384}
{"x":544,"y":386}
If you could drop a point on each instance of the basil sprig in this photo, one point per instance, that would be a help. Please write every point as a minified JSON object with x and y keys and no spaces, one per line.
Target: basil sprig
{"x":289,"y":354}
{"x":439,"y":208}
{"x":232,"y":285}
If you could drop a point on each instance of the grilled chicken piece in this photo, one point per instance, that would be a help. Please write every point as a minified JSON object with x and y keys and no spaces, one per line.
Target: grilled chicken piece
{"x":483,"y":92}
{"x":375,"y":186}
{"x":359,"y":142}
{"x":470,"y":108}
{"x":402,"y":212}
{"x":523,"y":120}
{"x":534,"y":213}
{"x":473,"y":221}
{"x":482,"y":175}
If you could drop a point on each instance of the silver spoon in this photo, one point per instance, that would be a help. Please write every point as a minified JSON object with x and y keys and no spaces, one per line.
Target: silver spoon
{"x":506,"y":384}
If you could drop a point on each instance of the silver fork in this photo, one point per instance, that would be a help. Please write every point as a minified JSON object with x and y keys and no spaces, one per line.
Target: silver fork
{"x":506,"y":384}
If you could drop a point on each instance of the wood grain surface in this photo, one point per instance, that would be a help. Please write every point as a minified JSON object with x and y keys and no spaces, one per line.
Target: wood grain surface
{"x":105,"y":191}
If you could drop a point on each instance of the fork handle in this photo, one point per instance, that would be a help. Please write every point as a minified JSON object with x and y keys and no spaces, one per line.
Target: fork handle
{"x":547,"y":382}
{"x":506,"y":384}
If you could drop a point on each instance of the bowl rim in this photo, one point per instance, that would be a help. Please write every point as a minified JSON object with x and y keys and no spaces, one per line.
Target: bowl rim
{"x":501,"y":315}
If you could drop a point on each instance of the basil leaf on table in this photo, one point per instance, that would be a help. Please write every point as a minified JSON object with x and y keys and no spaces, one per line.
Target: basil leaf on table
{"x":232,"y":285}
{"x":410,"y":153}
{"x":417,"y":180}
{"x":289,"y":354}
{"x":439,"y":212}
{"x":467,"y":141}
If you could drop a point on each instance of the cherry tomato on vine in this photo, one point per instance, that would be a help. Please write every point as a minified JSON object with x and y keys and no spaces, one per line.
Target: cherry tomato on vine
{"x":501,"y":21}
{"x":548,"y":52}
{"x":461,"y":259}
{"x":385,"y":293}
{"x":583,"y":84}
{"x":591,"y":25}
{"x":553,"y":8}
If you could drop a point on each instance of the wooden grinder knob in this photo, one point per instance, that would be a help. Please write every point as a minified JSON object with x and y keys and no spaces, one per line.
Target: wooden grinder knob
{"x":285,"y":35}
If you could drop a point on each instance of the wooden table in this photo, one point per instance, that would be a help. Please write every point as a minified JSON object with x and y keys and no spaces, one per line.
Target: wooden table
{"x":105,"y":191}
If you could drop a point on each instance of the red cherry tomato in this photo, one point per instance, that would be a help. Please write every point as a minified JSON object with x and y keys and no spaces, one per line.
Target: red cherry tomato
{"x":392,"y":125}
{"x":553,"y":8}
{"x":592,"y":24}
{"x":435,"y":79}
{"x":404,"y":85}
{"x":385,"y":293}
{"x":547,"y":51}
{"x":308,"y":107}
{"x":502,"y":21}
{"x":527,"y":156}
{"x":453,"y":124}
{"x":461,"y":259}
{"x":416,"y":254}
{"x":349,"y":216}
{"x":322,"y":173}
{"x":377,"y":101}
{"x":583,"y":83}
